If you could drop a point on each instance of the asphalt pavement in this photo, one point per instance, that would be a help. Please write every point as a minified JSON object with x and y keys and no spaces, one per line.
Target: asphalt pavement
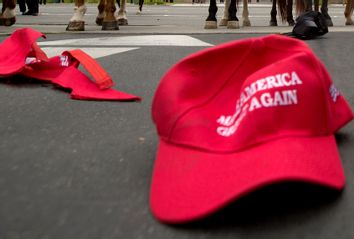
{"x":82,"y":169}
{"x":165,"y":19}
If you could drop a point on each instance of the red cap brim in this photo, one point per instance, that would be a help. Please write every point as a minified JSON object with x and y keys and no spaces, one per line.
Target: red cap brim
{"x":189,"y":184}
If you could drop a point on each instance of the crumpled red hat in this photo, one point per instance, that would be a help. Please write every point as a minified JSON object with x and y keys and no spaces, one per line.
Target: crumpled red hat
{"x":15,"y":49}
{"x":20,"y":54}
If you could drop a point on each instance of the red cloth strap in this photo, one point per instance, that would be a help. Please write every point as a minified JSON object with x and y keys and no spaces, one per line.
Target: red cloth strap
{"x":84,"y":89}
{"x":101,"y":77}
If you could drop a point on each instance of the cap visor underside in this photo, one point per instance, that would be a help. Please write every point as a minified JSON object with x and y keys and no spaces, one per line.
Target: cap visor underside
{"x":189,"y":184}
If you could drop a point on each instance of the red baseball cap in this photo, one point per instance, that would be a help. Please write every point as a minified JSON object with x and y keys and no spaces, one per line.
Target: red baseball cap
{"x":240,"y":116}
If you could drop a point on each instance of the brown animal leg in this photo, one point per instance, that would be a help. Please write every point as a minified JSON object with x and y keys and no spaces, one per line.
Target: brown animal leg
{"x":308,"y":5}
{"x":7,"y":16}
{"x":283,"y":8}
{"x":77,"y":22}
{"x":100,"y":16}
{"x":109,"y":21}
{"x":122,"y":14}
{"x":317,"y":5}
{"x":349,"y":12}
{"x":11,"y":4}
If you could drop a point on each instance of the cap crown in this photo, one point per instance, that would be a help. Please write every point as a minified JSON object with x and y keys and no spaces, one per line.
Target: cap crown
{"x":247,"y":92}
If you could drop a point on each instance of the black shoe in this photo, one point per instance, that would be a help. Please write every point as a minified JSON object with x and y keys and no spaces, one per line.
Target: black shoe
{"x":35,"y":14}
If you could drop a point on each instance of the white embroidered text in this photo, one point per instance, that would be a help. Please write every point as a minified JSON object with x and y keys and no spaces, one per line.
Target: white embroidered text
{"x":249,"y":102}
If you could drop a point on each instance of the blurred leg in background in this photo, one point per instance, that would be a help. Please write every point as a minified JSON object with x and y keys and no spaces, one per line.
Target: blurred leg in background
{"x":22,"y":6}
{"x":33,"y":7}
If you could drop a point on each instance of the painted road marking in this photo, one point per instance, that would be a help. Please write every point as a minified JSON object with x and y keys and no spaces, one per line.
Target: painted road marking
{"x":95,"y":46}
{"x":149,"y":40}
{"x":94,"y":52}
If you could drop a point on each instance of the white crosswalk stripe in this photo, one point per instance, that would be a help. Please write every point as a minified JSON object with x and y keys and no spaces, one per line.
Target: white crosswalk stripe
{"x":145,"y":40}
{"x":94,"y":52}
{"x":95,"y":47}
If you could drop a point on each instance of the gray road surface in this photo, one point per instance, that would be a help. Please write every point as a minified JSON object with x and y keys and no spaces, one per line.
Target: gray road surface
{"x":172,"y":19}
